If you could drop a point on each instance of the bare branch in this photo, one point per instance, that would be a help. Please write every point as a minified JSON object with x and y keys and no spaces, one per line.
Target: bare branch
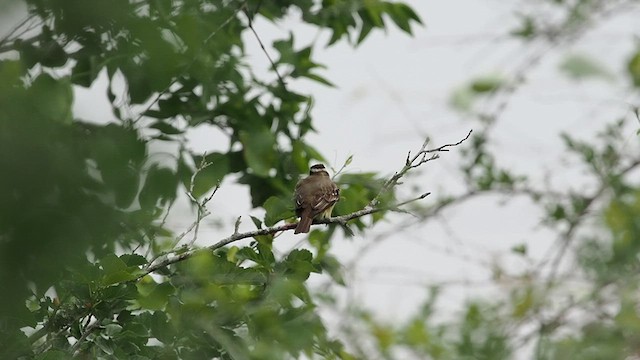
{"x":202,"y":205}
{"x":203,"y":212}
{"x":342,"y":220}
{"x":237,"y":225}
{"x":9,"y":41}
{"x":424,"y":155}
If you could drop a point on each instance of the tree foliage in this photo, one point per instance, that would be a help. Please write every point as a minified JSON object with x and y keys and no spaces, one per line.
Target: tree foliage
{"x":83,"y":203}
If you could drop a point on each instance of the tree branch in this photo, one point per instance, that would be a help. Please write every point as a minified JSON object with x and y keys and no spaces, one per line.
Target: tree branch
{"x":75,"y":349}
{"x":423,"y":156}
{"x":264,"y":50}
{"x":342,"y":220}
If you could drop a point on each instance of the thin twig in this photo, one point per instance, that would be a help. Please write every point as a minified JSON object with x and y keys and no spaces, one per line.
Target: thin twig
{"x":75,"y":349}
{"x":423,"y":156}
{"x":4,"y":46}
{"x":161,"y":225}
{"x":201,"y":205}
{"x":203,"y":212}
{"x":273,"y":64}
{"x":237,"y":225}
{"x":346,"y":163}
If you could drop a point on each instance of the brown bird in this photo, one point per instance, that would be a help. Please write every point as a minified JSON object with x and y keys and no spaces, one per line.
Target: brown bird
{"x":315,"y":197}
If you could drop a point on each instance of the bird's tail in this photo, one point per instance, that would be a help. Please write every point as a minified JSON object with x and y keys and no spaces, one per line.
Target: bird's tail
{"x":304,"y":225}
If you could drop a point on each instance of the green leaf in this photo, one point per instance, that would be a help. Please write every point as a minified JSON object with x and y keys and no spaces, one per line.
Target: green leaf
{"x":168,"y":108}
{"x":125,"y":183}
{"x":348,"y":161}
{"x":579,"y":67}
{"x":133,"y":259}
{"x":319,"y":79}
{"x":299,"y":156}
{"x":364,"y":32}
{"x":118,"y":277}
{"x":138,"y":84}
{"x":520,"y":249}
{"x":633,"y":67}
{"x":321,"y":241}
{"x":52,"y":98}
{"x":277,"y":209}
{"x":523,"y":301}
{"x":332,"y":266}
{"x":299,"y":264}
{"x":372,"y":14}
{"x":265,"y":253}
{"x":285,"y":48}
{"x":247,"y":253}
{"x":119,"y":292}
{"x":104,"y":345}
{"x":52,"y":54}
{"x":462,"y":99}
{"x":259,"y":150}
{"x":111,"y":264}
{"x":157,"y":299}
{"x":160,"y":187}
{"x":256,"y":222}
{"x":399,"y":17}
{"x":10,"y":72}
{"x":86,"y":70}
{"x":408,"y":12}
{"x":53,"y":355}
{"x":231,"y":254}
{"x":116,"y":270}
{"x":486,"y":84}
{"x":165,"y":128}
{"x":29,"y":54}
{"x":161,"y":328}
{"x":527,"y":29}
{"x":558,"y":212}
{"x":112,"y":329}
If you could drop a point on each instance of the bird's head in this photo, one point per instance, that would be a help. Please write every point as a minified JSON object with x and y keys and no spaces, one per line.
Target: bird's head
{"x":317,"y":169}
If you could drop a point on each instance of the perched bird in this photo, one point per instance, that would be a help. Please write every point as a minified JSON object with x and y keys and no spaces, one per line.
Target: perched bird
{"x":315,"y":197}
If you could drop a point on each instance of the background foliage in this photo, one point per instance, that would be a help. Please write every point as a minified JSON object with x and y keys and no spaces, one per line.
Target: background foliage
{"x":83,"y":241}
{"x":579,"y":298}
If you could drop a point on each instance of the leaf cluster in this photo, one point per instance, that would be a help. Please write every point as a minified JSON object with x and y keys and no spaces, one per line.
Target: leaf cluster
{"x":80,"y":198}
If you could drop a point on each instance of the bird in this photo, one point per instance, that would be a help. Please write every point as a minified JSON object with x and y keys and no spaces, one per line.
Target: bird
{"x":315,"y":196}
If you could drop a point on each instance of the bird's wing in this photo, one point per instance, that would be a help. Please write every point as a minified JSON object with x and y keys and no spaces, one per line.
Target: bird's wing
{"x":326,"y":198}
